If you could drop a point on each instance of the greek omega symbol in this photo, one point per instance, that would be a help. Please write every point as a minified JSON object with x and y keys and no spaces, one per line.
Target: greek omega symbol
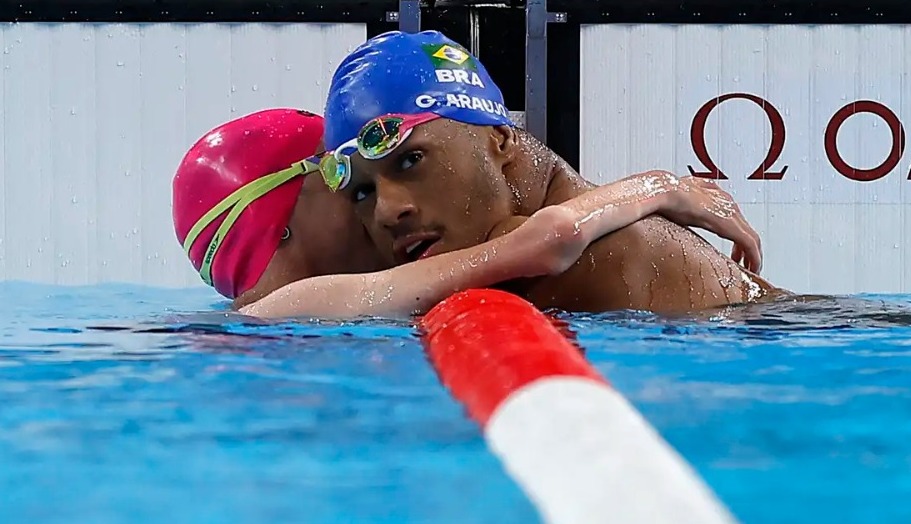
{"x":697,"y":136}
{"x":779,"y":134}
{"x":895,"y":152}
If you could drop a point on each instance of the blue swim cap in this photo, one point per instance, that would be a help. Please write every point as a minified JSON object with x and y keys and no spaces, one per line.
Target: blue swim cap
{"x":410,"y":73}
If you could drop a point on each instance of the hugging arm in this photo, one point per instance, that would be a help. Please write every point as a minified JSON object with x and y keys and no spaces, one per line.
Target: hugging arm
{"x":547,"y":243}
{"x":689,"y":201}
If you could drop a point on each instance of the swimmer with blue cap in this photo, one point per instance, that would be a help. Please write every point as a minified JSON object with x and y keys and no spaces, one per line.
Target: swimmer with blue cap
{"x":420,"y":140}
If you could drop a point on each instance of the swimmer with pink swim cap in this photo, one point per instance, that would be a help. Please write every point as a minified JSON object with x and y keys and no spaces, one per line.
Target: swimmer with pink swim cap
{"x":249,"y":212}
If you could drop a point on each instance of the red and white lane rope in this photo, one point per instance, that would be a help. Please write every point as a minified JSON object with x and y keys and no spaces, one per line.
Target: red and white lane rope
{"x":578,"y":449}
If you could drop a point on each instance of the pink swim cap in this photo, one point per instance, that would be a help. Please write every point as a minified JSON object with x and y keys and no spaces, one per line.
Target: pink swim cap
{"x":234,"y":192}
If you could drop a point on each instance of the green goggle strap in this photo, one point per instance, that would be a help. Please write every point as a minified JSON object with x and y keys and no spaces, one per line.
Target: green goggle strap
{"x":237,"y":202}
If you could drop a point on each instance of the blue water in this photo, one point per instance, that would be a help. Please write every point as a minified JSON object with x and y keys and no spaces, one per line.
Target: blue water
{"x":126,"y":404}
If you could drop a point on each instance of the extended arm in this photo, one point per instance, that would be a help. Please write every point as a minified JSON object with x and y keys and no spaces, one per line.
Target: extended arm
{"x":688,"y":201}
{"x":549,"y":242}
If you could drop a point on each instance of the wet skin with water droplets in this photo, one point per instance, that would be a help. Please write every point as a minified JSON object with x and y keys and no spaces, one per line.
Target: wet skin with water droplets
{"x":653,"y":265}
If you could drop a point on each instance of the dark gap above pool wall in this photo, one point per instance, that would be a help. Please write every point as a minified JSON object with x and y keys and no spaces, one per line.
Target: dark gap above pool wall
{"x":582,"y":11}
{"x":500,"y":29}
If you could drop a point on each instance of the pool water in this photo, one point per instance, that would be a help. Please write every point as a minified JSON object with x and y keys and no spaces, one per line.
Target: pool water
{"x":133,"y":404}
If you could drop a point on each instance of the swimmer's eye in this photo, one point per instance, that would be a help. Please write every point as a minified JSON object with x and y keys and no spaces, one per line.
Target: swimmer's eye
{"x":409,"y":159}
{"x":362,"y":192}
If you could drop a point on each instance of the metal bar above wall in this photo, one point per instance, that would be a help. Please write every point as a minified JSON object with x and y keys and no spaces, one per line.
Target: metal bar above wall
{"x":474,"y":32}
{"x":410,"y":16}
{"x":536,"y":68}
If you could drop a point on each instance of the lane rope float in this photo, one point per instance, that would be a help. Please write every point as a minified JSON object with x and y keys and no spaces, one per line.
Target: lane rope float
{"x":579,"y":450}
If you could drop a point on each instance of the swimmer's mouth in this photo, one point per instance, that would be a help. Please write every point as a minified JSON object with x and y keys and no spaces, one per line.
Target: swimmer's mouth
{"x":414,"y":247}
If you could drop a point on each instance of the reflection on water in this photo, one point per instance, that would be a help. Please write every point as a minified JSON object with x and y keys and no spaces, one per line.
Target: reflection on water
{"x":124,"y":401}
{"x":123,"y":405}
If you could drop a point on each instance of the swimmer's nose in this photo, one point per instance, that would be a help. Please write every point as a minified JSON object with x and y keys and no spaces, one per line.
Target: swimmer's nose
{"x":394,"y":206}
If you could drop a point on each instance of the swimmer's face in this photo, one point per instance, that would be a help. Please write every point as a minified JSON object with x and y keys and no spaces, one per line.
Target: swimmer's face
{"x":326,"y":237}
{"x":441,"y":190}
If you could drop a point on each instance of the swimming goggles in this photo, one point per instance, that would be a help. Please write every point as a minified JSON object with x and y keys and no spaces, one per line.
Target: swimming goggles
{"x":236,"y":202}
{"x":376,"y":139}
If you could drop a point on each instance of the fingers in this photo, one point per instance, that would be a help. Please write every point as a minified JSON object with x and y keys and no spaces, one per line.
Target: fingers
{"x":747,"y":244}
{"x":748,"y":247}
{"x":729,"y":224}
{"x":755,"y":255}
{"x":737,"y":254}
{"x":753,"y":251}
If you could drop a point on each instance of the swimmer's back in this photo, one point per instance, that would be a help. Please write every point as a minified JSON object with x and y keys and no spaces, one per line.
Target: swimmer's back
{"x":653,"y":264}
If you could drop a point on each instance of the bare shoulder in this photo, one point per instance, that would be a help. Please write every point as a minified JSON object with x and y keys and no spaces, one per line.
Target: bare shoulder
{"x":565,"y":184}
{"x":653,"y":264}
{"x":687,"y":272}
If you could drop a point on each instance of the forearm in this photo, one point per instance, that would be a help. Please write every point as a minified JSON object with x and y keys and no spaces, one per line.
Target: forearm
{"x":687,"y":201}
{"x":547,"y":243}
{"x":403,"y":290}
{"x":614,"y":206}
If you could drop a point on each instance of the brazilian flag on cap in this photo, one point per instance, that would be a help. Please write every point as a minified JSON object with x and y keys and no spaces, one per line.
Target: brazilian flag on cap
{"x":447,"y":56}
{"x":398,"y":73}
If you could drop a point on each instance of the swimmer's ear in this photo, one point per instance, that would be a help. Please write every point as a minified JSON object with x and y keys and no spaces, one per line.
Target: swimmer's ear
{"x":504,"y":142}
